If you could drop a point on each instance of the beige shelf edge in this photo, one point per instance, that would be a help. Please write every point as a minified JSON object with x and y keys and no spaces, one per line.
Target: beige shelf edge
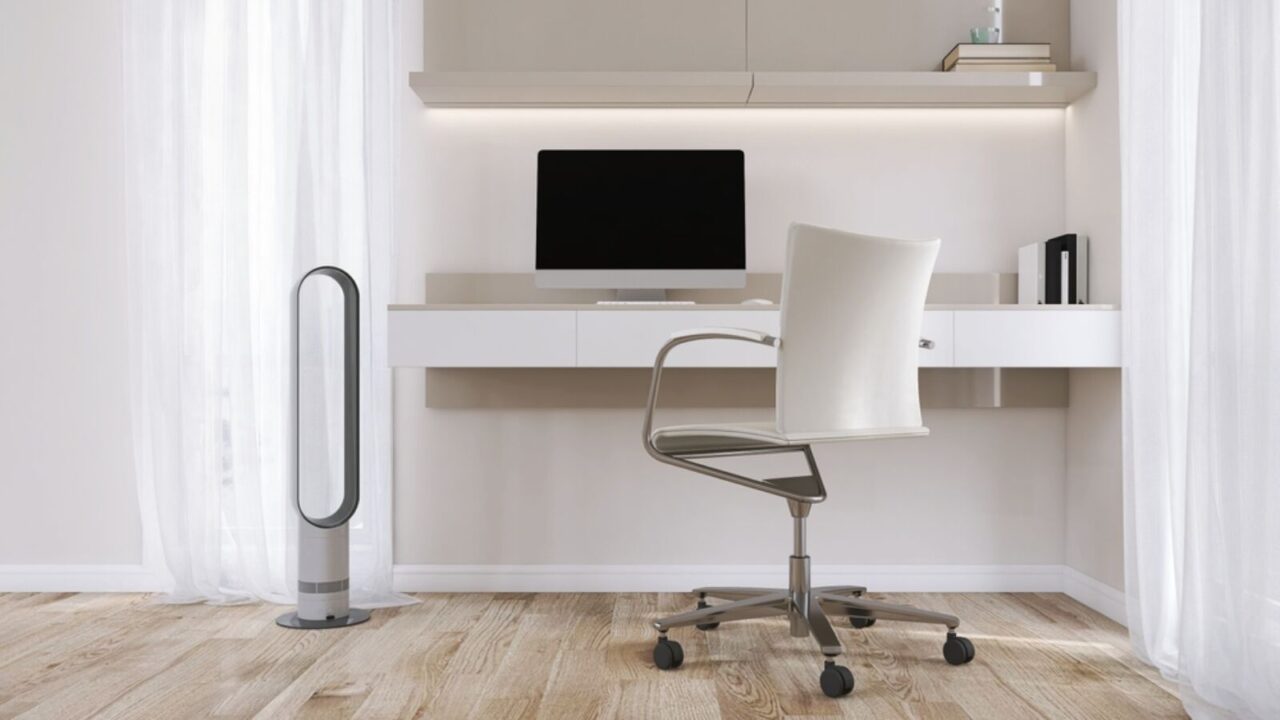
{"x":759,"y":89}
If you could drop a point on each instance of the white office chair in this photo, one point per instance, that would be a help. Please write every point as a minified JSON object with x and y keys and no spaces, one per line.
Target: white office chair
{"x":847,"y":364}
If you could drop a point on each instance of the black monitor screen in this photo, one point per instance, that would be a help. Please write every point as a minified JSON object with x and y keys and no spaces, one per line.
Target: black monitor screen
{"x":640,"y":210}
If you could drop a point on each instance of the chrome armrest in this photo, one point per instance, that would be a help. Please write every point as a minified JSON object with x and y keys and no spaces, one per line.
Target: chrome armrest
{"x":718,"y":334}
{"x":686,"y":336}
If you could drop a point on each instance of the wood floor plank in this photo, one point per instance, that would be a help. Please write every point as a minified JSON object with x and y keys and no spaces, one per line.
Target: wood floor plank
{"x":275,"y":661}
{"x":524,"y":672}
{"x":1042,"y":671}
{"x":630,"y":648}
{"x":489,"y":638}
{"x":581,"y":686}
{"x":186,"y":688}
{"x":669,"y":698}
{"x":552,"y":656}
{"x":410,"y":681}
{"x":357,"y":675}
{"x":55,"y":614}
{"x":1083,"y":639}
{"x":151,"y":643}
{"x":743,"y":689}
{"x":1091,"y":626}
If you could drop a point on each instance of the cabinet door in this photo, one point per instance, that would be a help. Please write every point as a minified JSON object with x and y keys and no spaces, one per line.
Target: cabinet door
{"x":1037,"y":338}
{"x":481,"y":338}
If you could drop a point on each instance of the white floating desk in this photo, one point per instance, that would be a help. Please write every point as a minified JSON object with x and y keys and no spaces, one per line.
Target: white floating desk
{"x":628,"y":336}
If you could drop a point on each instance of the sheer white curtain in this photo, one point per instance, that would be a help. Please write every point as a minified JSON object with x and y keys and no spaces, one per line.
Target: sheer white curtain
{"x":1200,"y":136}
{"x":260,"y":141}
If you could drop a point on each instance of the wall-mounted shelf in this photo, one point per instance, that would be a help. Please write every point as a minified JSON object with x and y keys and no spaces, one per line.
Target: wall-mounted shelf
{"x":759,"y":89}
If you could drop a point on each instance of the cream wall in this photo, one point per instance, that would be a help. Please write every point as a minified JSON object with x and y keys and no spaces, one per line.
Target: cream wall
{"x":67,"y":479}
{"x":498,"y":487}
{"x":986,"y":181}
{"x":574,"y":487}
{"x":555,"y":486}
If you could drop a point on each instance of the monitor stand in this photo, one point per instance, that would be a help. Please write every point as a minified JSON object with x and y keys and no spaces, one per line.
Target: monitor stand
{"x":641,"y":296}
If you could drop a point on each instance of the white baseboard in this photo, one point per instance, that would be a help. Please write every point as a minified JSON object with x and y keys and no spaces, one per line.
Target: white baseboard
{"x":632,"y":578}
{"x":1095,"y":594}
{"x":78,"y":578}
{"x":680,"y":578}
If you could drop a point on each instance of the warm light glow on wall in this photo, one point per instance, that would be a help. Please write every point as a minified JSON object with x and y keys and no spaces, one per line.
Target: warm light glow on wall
{"x":741,"y":117}
{"x":987,"y":180}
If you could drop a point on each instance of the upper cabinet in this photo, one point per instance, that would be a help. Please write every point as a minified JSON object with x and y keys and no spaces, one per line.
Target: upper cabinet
{"x":685,"y":53}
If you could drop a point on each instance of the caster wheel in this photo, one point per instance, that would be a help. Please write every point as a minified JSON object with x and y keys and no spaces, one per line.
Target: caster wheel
{"x":957,"y":650}
{"x":859,"y":621}
{"x":837,"y":680}
{"x":667,"y":654}
{"x":706,"y":626}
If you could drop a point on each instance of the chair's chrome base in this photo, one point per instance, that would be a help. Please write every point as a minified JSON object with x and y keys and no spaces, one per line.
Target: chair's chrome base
{"x":809,"y":612}
{"x":807,"y":607}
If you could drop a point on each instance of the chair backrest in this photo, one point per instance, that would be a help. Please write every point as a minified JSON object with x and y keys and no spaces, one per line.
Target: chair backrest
{"x":851,"y":312}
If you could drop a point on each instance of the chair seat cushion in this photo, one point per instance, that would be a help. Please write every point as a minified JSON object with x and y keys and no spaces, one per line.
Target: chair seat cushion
{"x":750,"y":435}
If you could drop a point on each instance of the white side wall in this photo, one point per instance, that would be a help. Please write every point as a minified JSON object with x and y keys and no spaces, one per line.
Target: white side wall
{"x":67,"y":473}
{"x":1094,"y":499}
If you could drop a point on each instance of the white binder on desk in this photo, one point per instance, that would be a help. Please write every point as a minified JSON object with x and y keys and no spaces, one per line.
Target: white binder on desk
{"x":1031,"y":274}
{"x":1055,"y":272}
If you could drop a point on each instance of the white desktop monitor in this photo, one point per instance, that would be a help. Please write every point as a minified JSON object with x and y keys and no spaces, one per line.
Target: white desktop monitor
{"x":641,"y":220}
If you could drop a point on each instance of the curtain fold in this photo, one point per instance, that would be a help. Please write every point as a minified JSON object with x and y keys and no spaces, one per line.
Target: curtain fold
{"x":1200,"y":146}
{"x":260,"y":141}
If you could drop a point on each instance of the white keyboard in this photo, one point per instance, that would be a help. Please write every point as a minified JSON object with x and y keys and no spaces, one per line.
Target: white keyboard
{"x":645,"y":302}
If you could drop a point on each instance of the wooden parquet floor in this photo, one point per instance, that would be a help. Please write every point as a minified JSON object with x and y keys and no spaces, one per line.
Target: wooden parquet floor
{"x":555,"y":656}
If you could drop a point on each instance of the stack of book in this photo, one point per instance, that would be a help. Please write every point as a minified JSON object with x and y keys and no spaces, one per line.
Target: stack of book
{"x":1023,"y":57}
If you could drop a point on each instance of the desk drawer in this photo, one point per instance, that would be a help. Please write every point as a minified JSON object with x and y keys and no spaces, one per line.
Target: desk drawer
{"x":1037,"y":338}
{"x":481,"y":338}
{"x":631,"y":338}
{"x":937,"y":326}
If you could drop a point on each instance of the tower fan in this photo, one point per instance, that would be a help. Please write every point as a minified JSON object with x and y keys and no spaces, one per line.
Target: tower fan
{"x":323,"y":546}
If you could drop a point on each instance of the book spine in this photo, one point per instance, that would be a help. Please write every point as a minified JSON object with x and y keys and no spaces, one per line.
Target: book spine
{"x":1003,"y":67}
{"x":951,"y":58}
